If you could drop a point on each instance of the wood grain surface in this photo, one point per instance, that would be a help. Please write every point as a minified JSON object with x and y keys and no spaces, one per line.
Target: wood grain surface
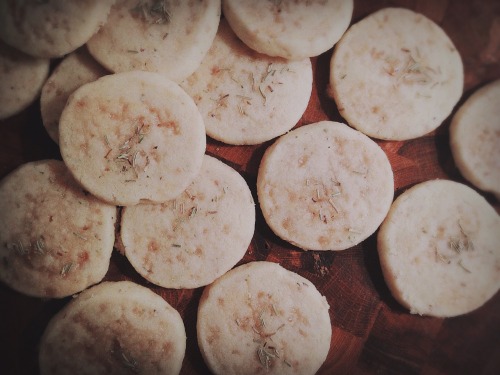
{"x":372,"y":333}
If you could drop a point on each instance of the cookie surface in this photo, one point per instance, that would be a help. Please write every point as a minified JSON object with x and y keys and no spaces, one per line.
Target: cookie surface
{"x":439,"y":249}
{"x":262,"y":318}
{"x":74,"y":71}
{"x":289,"y":29}
{"x":475,"y":138}
{"x":55,"y":239}
{"x":22,"y":80}
{"x":324,"y":186}
{"x":168,"y":37}
{"x":246,"y":97}
{"x":140,"y":135}
{"x":114,"y":328}
{"x":192,"y":240}
{"x":396,"y":75}
{"x":51,"y":28}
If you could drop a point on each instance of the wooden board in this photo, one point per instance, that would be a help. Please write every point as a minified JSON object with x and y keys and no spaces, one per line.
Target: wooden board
{"x":372,"y":334}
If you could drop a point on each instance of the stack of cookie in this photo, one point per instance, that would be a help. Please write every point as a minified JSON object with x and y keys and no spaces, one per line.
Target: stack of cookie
{"x":141,"y":84}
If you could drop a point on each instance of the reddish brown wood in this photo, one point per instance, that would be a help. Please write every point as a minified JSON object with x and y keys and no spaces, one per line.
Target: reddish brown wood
{"x":372,"y":333}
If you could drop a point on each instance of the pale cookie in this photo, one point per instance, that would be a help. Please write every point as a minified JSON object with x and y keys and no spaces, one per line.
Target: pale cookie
{"x":324,"y":186}
{"x":246,"y":97}
{"x":168,"y":37}
{"x":22,"y":79}
{"x":194,"y":239}
{"x":55,"y":238}
{"x":289,"y":29}
{"x":439,"y":249}
{"x":51,"y":28}
{"x":261,"y":318}
{"x":396,"y":75}
{"x":74,"y":71}
{"x":132,"y":137}
{"x":114,"y":328}
{"x":475,"y":138}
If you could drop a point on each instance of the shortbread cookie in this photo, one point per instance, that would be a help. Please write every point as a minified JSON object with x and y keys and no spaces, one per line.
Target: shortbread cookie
{"x":261,"y":318}
{"x":74,"y":71}
{"x":475,"y":138}
{"x":396,"y":75}
{"x":194,"y":239}
{"x":325,"y":186}
{"x":55,"y":238}
{"x":114,"y":328}
{"x":168,"y":37}
{"x":439,"y":249}
{"x":246,"y":97}
{"x":290,"y":29}
{"x":132,"y":137}
{"x":51,"y":28}
{"x":22,"y":80}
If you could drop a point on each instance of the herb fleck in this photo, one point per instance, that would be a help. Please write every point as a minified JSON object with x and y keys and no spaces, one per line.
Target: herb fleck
{"x":66,"y":269}
{"x":156,"y":12}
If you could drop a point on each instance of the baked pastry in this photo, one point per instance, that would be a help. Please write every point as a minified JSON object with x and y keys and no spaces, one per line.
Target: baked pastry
{"x":246,"y":97}
{"x":262,"y":318}
{"x":475,"y":138}
{"x":55,"y":238}
{"x":438,"y":248}
{"x":324,"y":186}
{"x":396,"y":75}
{"x":132,"y":137}
{"x":114,"y":328}
{"x":168,"y":37}
{"x":51,"y":28}
{"x":289,"y":29}
{"x":197,"y":237}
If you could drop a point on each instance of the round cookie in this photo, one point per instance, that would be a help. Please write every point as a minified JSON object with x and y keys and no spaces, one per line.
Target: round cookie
{"x":262,"y":318}
{"x":396,"y":75}
{"x":194,"y":239}
{"x":246,"y":97}
{"x":168,"y":37}
{"x":132,"y":137}
{"x":55,"y":238}
{"x":22,"y":80}
{"x":289,"y":29}
{"x":438,"y":249}
{"x":114,"y":328}
{"x":324,"y":186}
{"x":475,"y":138}
{"x":74,"y":71}
{"x":51,"y":28}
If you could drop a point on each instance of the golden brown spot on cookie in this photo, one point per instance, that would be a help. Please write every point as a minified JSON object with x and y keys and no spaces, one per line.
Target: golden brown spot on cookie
{"x":83,"y":257}
{"x":375,"y":109}
{"x":323,"y":240}
{"x":214,"y":334}
{"x":138,"y":311}
{"x":303,"y":160}
{"x":226,"y":229}
{"x":153,"y":246}
{"x":103,"y":307}
{"x":215,"y":70}
{"x":220,"y":301}
{"x":180,"y":258}
{"x":302,"y":333}
{"x":199,"y":252}
{"x":167,"y":347}
{"x":440,"y":232}
{"x":171,"y":125}
{"x":81,"y":103}
{"x":286,"y":223}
